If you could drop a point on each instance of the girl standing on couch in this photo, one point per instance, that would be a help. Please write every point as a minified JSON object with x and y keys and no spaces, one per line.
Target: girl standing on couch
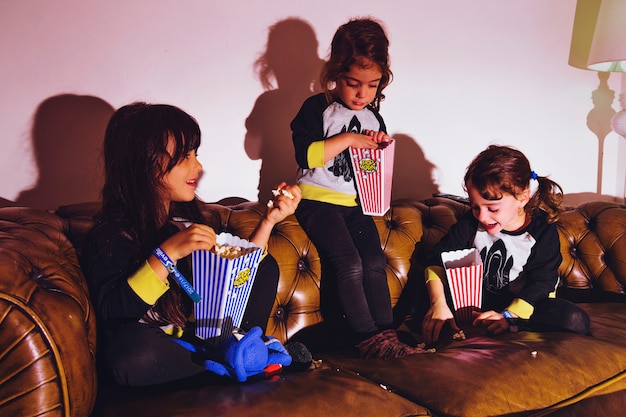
{"x":514,"y":230}
{"x":346,"y":115}
{"x":151,"y":175}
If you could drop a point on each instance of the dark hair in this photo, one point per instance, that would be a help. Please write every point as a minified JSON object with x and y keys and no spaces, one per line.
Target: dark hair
{"x":136,"y":159}
{"x":502,"y":169}
{"x":360,"y":42}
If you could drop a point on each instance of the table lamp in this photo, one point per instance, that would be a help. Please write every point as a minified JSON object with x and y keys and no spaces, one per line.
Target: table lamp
{"x":608,"y":51}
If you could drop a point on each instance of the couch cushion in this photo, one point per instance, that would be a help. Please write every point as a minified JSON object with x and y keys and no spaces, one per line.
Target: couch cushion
{"x":320,"y":392}
{"x":493,"y":376}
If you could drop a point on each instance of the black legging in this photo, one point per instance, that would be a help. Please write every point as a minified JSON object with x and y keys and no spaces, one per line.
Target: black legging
{"x":140,"y":354}
{"x":350,"y":250}
{"x":555,"y":314}
{"x":549,"y":314}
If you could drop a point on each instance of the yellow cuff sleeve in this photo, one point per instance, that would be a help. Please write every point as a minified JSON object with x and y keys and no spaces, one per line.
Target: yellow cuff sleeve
{"x":521,"y":309}
{"x":147,"y":284}
{"x":434,"y":272}
{"x":172,"y":330}
{"x":315,"y":154}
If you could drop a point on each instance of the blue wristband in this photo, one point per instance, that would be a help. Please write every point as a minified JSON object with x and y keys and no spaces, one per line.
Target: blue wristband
{"x":171,"y":268}
{"x":507,"y":314}
{"x":511,"y":320}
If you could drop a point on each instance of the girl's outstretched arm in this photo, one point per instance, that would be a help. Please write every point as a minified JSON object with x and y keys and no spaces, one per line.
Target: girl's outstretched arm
{"x":284,"y":204}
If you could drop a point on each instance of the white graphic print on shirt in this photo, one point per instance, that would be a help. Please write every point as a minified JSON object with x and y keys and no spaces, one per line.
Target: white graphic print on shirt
{"x":341,"y":164}
{"x":337,"y":118}
{"x":504,"y":256}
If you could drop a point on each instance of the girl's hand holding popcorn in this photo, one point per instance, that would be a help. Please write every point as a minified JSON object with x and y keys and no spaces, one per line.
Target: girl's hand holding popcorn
{"x":285,"y":201}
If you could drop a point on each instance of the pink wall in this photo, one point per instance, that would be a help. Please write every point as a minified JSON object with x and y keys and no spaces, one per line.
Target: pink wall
{"x":467,"y":74}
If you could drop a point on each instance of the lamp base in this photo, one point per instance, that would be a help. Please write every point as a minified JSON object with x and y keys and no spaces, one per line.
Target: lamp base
{"x":618,"y":122}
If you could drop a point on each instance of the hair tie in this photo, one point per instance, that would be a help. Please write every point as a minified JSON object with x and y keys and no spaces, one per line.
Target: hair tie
{"x":533,"y":175}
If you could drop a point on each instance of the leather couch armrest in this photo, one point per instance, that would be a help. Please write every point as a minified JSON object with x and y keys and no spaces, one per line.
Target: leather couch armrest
{"x":47,"y":326}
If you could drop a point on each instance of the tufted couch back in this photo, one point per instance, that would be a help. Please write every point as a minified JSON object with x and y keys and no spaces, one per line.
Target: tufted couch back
{"x":592,"y":235}
{"x":593,"y":246}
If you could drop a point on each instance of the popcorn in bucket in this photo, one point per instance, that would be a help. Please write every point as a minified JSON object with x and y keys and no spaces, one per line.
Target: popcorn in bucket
{"x":373,"y":174}
{"x":464,"y":270}
{"x":223,"y":277}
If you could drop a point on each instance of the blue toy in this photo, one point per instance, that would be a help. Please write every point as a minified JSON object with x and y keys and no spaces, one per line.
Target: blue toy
{"x":244,"y":355}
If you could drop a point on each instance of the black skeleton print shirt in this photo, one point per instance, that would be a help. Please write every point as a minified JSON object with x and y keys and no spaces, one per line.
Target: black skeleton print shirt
{"x":523,"y":264}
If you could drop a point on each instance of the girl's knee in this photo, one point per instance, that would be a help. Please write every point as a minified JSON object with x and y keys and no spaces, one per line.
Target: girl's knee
{"x":578,"y":322}
{"x":350,"y":272}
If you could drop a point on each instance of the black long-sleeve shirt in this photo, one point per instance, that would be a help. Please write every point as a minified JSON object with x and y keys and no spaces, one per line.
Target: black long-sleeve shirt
{"x":123,"y":287}
{"x":516,"y":265}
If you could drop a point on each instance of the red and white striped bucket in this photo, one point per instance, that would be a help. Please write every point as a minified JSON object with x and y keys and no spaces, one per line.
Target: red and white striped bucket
{"x":373,"y":174}
{"x":464,"y":270}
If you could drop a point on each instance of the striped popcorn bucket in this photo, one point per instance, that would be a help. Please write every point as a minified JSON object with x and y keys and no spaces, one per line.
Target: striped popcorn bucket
{"x":373,"y":174}
{"x":224,"y":285}
{"x":464,"y":270}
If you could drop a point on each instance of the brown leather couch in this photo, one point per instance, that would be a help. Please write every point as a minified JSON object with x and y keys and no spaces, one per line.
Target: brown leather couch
{"x":48,"y":332}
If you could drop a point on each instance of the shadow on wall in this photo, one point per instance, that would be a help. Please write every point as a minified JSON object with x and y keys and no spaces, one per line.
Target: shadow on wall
{"x":67,"y":135}
{"x":289,"y":72}
{"x":412,"y":172}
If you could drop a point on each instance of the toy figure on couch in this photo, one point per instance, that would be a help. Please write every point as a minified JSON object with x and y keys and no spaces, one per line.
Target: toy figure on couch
{"x":151,"y":175}
{"x":346,"y":115}
{"x":514,"y":230}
